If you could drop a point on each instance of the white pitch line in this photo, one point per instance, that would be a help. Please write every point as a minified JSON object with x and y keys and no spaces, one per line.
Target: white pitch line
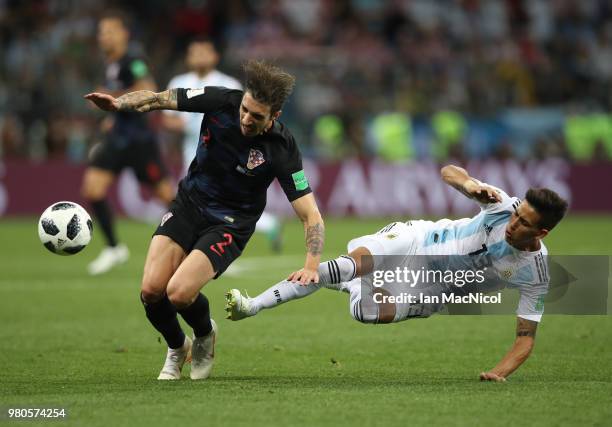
{"x":261,"y":263}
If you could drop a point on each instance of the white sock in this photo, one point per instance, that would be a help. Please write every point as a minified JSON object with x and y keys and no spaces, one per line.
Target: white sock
{"x":362,"y":311}
{"x":332,"y":275}
{"x":280,"y":293}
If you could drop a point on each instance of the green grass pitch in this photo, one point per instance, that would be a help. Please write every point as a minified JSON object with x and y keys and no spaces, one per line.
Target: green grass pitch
{"x":83,"y":343}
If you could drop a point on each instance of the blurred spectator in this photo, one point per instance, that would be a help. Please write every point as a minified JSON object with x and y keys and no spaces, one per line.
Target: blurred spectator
{"x":354,"y":58}
{"x":12,"y":138}
{"x":56,"y":140}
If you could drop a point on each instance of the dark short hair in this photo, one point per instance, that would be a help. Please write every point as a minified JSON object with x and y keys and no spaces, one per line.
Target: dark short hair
{"x":119,"y":15}
{"x":549,"y":205}
{"x":268,"y":84}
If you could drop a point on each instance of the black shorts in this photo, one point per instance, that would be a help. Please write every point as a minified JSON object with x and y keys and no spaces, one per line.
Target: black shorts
{"x":222,"y":243}
{"x":136,"y":149}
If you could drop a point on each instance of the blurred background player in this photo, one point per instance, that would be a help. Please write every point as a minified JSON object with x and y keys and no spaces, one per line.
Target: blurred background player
{"x":128,"y":140}
{"x":201,"y":60}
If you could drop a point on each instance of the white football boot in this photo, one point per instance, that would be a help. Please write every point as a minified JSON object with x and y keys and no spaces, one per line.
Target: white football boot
{"x":203,"y":354}
{"x":238,"y":306}
{"x":175,"y":359}
{"x":109,"y":257}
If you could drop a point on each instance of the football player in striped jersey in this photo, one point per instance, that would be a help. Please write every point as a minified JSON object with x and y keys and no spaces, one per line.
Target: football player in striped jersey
{"x":504,"y":239}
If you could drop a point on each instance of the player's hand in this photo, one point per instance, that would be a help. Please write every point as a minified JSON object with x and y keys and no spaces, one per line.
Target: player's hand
{"x":304,"y":276}
{"x":482,"y":193}
{"x":490,"y":376}
{"x":103,"y":101}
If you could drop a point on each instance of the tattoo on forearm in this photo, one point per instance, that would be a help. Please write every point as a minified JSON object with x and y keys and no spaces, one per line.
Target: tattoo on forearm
{"x":145,"y":100}
{"x":315,"y":236}
{"x":526,"y":328}
{"x":136,"y":101}
{"x":166,"y":99}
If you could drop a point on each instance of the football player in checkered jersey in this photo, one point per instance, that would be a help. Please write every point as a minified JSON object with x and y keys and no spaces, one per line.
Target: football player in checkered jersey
{"x":242,"y":148}
{"x":201,"y":59}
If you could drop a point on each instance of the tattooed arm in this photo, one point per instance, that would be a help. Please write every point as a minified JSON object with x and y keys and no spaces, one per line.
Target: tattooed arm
{"x":306,"y":209}
{"x":520,"y":351}
{"x":145,"y":83}
{"x":140,"y":101}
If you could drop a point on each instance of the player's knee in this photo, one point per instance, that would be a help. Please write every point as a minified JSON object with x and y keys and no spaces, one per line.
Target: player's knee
{"x":91,"y":192}
{"x":151,"y":290}
{"x":361,"y":314}
{"x":95,"y":184}
{"x":150,"y":294}
{"x":150,"y":297}
{"x":179,"y":296}
{"x":87,"y":191}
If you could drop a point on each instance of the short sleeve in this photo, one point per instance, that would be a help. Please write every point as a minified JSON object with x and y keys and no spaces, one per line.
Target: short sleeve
{"x":507,"y":203}
{"x":531,"y":301}
{"x":291,"y":174}
{"x":205,"y":99}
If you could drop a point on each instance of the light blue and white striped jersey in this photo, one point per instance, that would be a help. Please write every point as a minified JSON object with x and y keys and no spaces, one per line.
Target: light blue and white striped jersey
{"x":480,"y":242}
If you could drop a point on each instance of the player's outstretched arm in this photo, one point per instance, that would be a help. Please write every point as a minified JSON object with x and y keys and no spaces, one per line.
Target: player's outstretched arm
{"x":520,"y":351}
{"x":459,"y":179}
{"x":306,"y":209}
{"x":139,"y":101}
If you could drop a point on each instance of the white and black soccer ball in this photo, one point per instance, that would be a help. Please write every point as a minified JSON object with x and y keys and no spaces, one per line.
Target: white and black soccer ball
{"x":65,"y":228}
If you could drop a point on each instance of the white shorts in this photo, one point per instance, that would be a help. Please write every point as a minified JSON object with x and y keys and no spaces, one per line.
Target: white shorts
{"x":368,"y":310}
{"x":397,"y":238}
{"x":395,"y":245}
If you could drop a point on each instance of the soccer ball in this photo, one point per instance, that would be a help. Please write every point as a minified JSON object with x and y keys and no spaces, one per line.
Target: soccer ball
{"x":65,"y":228}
